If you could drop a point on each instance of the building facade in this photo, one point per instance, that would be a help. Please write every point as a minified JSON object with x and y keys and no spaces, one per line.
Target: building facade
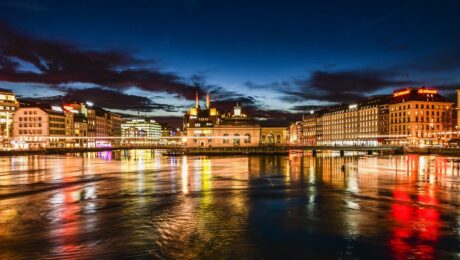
{"x":410,"y":117}
{"x":140,"y":132}
{"x":295,"y":133}
{"x":198,"y":117}
{"x":355,"y":124}
{"x":232,"y":129}
{"x":420,"y":116}
{"x":39,"y":128}
{"x":8,"y":105}
{"x":103,"y":128}
{"x":309,"y":129}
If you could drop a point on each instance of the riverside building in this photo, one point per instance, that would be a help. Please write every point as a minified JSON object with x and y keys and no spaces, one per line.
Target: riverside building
{"x":409,"y":117}
{"x":39,"y":128}
{"x":420,"y":116}
{"x":8,"y":105}
{"x":101,"y":125}
{"x":355,"y":124}
{"x":140,"y":131}
{"x":207,"y":128}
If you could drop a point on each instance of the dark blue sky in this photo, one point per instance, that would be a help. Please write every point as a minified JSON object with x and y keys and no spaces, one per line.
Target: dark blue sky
{"x":271,"y":55}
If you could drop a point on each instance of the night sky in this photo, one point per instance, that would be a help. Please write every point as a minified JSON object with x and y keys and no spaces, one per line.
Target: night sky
{"x":277,"y":58}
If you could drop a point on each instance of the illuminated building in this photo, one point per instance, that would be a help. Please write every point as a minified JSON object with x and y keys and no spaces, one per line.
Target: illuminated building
{"x":309,"y":129}
{"x":411,"y":116}
{"x":100,"y":123}
{"x":8,"y":104}
{"x":232,"y":129}
{"x":197,"y":117}
{"x":80,"y":130}
{"x":38,"y":128}
{"x":295,"y":133}
{"x":420,"y":116}
{"x":90,"y":114}
{"x":115,"y":121}
{"x":146,"y":130}
{"x":356,"y":124}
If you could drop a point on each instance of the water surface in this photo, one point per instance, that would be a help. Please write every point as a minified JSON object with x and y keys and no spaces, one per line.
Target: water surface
{"x":140,"y":204}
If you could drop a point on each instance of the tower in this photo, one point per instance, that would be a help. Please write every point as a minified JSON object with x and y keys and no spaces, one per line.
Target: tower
{"x":197,"y":102}
{"x":208,"y":101}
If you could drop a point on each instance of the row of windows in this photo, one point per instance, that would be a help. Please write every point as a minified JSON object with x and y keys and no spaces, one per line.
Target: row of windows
{"x":57,"y":132}
{"x":417,"y":127}
{"x":30,"y":112}
{"x":30,"y":124}
{"x":421,"y":134}
{"x":416,"y":113}
{"x":30,"y":132}
{"x":30,"y":118}
{"x":53,"y":125}
{"x":422,"y":119}
{"x":57,"y":119}
{"x":422,"y":106}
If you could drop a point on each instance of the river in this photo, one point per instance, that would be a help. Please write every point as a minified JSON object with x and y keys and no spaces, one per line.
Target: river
{"x":140,"y":204}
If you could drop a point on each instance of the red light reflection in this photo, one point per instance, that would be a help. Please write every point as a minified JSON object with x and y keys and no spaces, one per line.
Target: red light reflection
{"x":416,"y":226}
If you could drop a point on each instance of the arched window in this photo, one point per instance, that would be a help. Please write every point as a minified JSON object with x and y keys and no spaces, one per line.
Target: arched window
{"x":236,"y":139}
{"x":247,"y":138}
{"x":271,"y":139}
{"x":263,"y":138}
{"x":278,"y":139}
{"x":225,"y":140}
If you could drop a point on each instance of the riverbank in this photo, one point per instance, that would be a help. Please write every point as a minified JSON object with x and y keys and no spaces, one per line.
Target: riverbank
{"x":269,"y":150}
{"x":79,"y":150}
{"x":432,"y":150}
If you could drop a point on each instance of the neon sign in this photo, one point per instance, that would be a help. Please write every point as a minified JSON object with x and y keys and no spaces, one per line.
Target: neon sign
{"x":401,"y":93}
{"x":427,"y":91}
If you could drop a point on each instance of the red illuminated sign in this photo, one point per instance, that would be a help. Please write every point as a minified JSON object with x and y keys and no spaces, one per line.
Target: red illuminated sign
{"x":427,"y":91}
{"x":401,"y":93}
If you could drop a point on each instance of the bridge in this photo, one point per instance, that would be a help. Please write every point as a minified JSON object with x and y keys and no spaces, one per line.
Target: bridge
{"x":350,"y":148}
{"x":180,"y":148}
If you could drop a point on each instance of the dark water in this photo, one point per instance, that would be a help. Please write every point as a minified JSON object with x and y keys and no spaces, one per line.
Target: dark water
{"x":139,"y":204}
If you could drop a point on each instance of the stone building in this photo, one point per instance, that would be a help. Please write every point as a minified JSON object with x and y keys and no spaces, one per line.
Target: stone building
{"x":8,"y":105}
{"x":232,"y":129}
{"x":420,"y":116}
{"x":39,"y":128}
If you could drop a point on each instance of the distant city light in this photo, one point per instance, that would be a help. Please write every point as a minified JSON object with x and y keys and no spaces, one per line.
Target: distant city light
{"x":56,"y":108}
{"x":353,"y":106}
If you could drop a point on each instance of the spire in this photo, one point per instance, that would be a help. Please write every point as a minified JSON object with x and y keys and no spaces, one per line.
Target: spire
{"x":197,"y":102}
{"x":208,"y":101}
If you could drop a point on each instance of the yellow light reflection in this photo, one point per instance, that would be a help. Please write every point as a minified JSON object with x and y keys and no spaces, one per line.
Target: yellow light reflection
{"x":184,"y":175}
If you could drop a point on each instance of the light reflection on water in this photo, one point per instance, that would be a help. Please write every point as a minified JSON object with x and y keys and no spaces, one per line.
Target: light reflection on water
{"x":139,"y":203}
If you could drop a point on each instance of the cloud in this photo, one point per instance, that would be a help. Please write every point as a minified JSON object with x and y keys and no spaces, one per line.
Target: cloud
{"x":107,"y":98}
{"x":444,"y":61}
{"x":342,"y":86}
{"x":60,"y":63}
{"x":25,"y":5}
{"x":305,"y":108}
{"x":251,"y":106}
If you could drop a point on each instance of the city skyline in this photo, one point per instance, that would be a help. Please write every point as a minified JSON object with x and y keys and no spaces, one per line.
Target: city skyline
{"x":158,"y":54}
{"x":204,"y":129}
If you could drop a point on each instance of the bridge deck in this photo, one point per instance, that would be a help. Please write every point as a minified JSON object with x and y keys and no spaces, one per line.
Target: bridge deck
{"x":348,"y":148}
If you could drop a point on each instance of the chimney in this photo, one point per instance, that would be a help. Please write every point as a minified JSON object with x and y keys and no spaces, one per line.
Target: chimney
{"x":208,"y":101}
